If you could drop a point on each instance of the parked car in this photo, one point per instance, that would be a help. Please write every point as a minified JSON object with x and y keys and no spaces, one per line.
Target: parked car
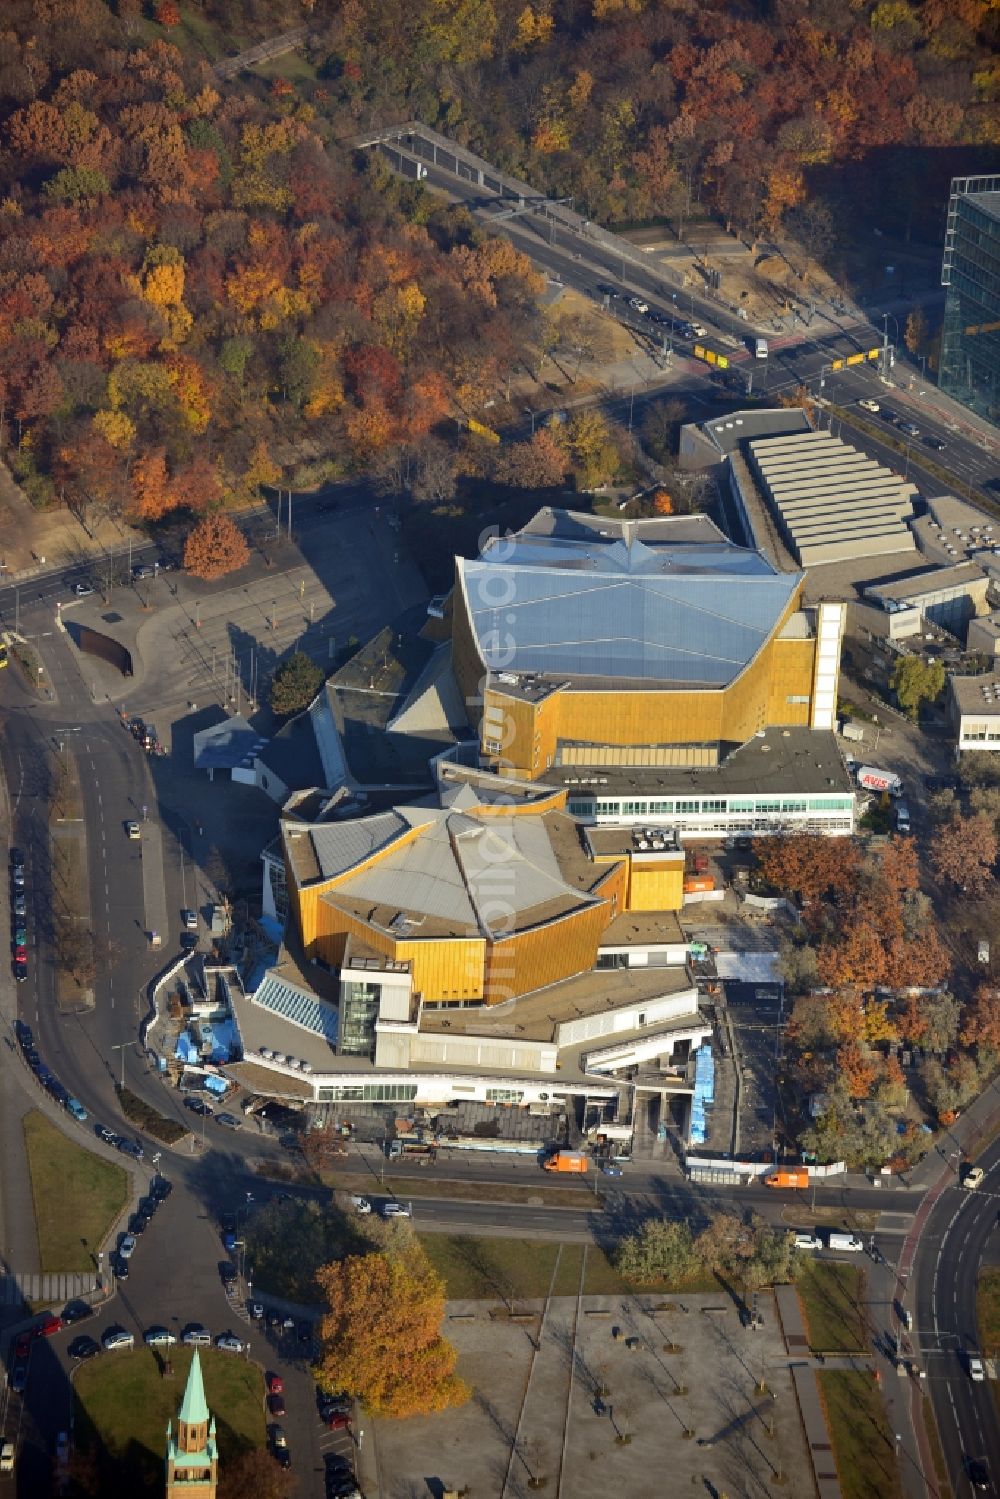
{"x":126,"y":1248}
{"x":255,"y":1310}
{"x":49,"y":1326}
{"x":133,"y":830}
{"x":116,"y":1338}
{"x":160,"y":1188}
{"x":19,"y":1378}
{"x":189,"y":920}
{"x":83,"y":1348}
{"x":808,"y":1241}
{"x":76,"y":1311}
{"x":159,"y":1337}
{"x":230,"y":1121}
{"x":275,"y":1384}
{"x":20,"y":970}
{"x":229,"y":1342}
{"x":138,"y":1224}
{"x":979,"y":1473}
{"x":977,"y":1372}
{"x":227,"y":1272}
{"x":130,"y":1147}
{"x":336,"y":1420}
{"x":276,"y":1405}
{"x":361,"y":1205}
{"x":396,"y":1210}
{"x":196,"y":1336}
{"x":197,"y":1106}
{"x":76,"y":1108}
{"x":120,"y":1268}
{"x":82,"y":590}
{"x":20,"y":904}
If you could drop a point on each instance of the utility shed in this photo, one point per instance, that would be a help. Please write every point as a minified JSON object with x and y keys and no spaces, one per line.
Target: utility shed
{"x":832,"y":502}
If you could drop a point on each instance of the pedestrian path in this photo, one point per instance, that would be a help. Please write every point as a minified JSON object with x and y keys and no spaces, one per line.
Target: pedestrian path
{"x":807,"y":1392}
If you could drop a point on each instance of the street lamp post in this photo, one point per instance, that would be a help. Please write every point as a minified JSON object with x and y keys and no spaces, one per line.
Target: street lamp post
{"x":122,"y":1047}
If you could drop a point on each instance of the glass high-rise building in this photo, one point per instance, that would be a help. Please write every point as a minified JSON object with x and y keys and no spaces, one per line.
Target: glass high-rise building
{"x":970,"y":341}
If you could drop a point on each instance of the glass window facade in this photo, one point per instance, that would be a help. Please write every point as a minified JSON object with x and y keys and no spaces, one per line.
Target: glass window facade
{"x":359,"y":1003}
{"x":721,"y":814}
{"x":369,"y":1093}
{"x":970,"y":339}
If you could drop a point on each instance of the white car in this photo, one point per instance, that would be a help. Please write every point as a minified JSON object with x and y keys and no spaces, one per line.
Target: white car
{"x":126,"y":1248}
{"x":396,"y":1210}
{"x":117,"y":1337}
{"x":976,"y":1371}
{"x":808,"y":1241}
{"x":133,"y":830}
{"x":867,"y":404}
{"x":159,"y":1337}
{"x":361,"y":1205}
{"x":698,"y":329}
{"x":638,"y":305}
{"x":973,"y":1178}
{"x":229,"y":1342}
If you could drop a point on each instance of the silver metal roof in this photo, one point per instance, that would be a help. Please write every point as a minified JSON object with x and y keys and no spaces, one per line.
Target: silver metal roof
{"x":340,"y":846}
{"x":694,"y":612}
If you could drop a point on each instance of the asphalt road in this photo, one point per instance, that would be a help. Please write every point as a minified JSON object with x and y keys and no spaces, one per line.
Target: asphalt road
{"x":797,"y":358}
{"x":959,"y":1237}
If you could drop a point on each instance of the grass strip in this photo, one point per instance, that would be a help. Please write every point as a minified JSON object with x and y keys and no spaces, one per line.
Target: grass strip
{"x":863,"y":1443}
{"x":140,"y":1113}
{"x":832,"y":1296}
{"x":77,"y":1196}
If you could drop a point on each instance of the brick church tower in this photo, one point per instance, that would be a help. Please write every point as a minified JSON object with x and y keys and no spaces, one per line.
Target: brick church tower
{"x":192,"y":1465}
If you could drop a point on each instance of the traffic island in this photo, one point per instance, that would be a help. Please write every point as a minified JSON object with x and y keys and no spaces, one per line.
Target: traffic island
{"x":78,"y":953}
{"x":77,"y":1196}
{"x":142,"y":1114}
{"x":123,"y":1401}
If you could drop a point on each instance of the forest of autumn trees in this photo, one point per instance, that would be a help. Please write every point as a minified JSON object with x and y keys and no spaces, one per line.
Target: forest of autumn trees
{"x":193,"y":275}
{"x":196,"y":275}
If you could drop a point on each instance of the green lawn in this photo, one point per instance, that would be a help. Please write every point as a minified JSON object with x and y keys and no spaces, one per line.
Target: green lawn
{"x":862,"y":1440}
{"x":77,"y":1195}
{"x":831,"y":1294}
{"x":481,"y":1269}
{"x":123,"y":1404}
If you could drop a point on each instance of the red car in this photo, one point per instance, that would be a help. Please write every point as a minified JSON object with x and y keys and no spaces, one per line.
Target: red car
{"x":20,"y":954}
{"x":337,"y":1420}
{"x":22,"y":1344}
{"x":49,"y":1324}
{"x":275,"y":1384}
{"x":276,"y":1405}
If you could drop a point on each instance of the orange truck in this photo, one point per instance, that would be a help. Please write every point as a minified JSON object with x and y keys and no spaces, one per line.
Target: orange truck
{"x":787,"y":1176}
{"x":567,"y":1160}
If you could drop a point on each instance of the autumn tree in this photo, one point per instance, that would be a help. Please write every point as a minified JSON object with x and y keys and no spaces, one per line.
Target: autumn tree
{"x":253,"y":1474}
{"x":915,"y":681}
{"x":981,"y":1018}
{"x":322,"y":1145}
{"x":807,"y":865}
{"x":295,"y":684}
{"x":381,"y":1339}
{"x":856,"y":1069}
{"x":964,"y":852}
{"x":538,"y":464}
{"x":915,"y":335}
{"x":214,"y":548}
{"x":662,"y":1250}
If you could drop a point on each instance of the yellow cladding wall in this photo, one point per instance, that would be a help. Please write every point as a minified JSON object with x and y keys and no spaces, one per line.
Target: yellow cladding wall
{"x":613,"y":887}
{"x":756,"y":699}
{"x":554,"y":803}
{"x":441,"y":967}
{"x":656,"y":889}
{"x":791,"y":676}
{"x":557,"y":950}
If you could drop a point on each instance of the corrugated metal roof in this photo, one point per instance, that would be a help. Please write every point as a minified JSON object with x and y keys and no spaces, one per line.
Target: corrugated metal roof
{"x":700,"y":620}
{"x":340,"y":846}
{"x":298,"y":1007}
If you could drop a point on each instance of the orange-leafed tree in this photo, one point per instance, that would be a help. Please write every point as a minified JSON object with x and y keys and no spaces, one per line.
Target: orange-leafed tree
{"x":151,"y":496}
{"x":167,"y":13}
{"x":214,"y":548}
{"x":981,"y":1018}
{"x":856,"y":958}
{"x":857,"y":1069}
{"x":381,"y":1339}
{"x":807,"y":864}
{"x":916,"y":962}
{"x":964,"y":851}
{"x":662,"y":503}
{"x":538,"y":464}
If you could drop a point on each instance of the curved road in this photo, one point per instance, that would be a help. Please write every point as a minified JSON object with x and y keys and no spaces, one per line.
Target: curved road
{"x":959,"y":1238}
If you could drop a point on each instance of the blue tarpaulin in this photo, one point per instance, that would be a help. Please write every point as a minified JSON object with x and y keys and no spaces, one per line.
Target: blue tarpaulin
{"x":704,"y":1092}
{"x":187,"y":1048}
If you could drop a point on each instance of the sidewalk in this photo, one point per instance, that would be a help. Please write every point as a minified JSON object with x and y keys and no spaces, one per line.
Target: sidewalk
{"x":803,"y":1368}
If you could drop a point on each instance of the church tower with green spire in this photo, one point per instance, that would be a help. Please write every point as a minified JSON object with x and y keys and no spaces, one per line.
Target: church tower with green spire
{"x":192,"y":1456}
